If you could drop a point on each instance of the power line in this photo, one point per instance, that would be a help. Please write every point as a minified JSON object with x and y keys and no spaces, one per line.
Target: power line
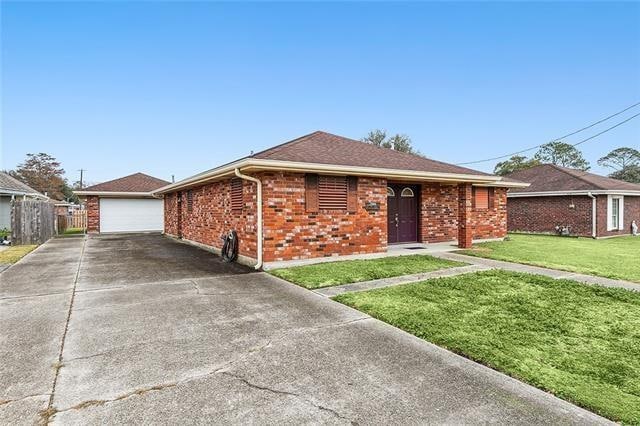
{"x":606,"y":130}
{"x":564,"y":136}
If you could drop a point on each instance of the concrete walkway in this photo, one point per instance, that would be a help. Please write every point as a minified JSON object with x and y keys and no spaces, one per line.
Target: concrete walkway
{"x":553,"y":273}
{"x":141,"y":329}
{"x":404,"y":279}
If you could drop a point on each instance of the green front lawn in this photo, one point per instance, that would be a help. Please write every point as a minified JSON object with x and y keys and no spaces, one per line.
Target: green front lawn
{"x":352,"y":271}
{"x":579,"y":342}
{"x":15,"y":253}
{"x":611,"y":258}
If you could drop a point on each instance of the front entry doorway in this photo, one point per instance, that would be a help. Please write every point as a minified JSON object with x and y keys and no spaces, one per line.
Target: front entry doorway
{"x":402,"y":213}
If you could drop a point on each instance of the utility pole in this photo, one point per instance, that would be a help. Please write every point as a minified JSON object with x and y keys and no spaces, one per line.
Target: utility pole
{"x":81,"y":175}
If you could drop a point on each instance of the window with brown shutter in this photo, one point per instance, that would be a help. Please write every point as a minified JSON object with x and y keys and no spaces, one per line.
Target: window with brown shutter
{"x":332,"y":192}
{"x":480,"y":198}
{"x":189,"y":201}
{"x":492,"y":198}
{"x":236,"y":195}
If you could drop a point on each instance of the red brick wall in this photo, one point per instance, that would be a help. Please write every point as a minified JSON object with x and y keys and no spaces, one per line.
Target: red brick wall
{"x":92,"y":204}
{"x":491,"y":222}
{"x":631,"y":212}
{"x":543,"y":214}
{"x":292,"y":233}
{"x":171,"y":214}
{"x":211,"y":216}
{"x":439,"y":214}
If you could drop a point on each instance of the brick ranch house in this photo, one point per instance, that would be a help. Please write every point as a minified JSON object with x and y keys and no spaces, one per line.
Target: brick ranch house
{"x":325,"y":195}
{"x":589,"y":204}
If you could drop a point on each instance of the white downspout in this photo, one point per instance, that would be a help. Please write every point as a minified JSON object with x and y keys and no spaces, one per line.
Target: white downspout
{"x":594,"y":232}
{"x":259,"y":213}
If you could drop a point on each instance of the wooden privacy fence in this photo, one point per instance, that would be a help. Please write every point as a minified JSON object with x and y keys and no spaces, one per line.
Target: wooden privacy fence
{"x":78,"y":219}
{"x":75,"y":220}
{"x":32,"y":222}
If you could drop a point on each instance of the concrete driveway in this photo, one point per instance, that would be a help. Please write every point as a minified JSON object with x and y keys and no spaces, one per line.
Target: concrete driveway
{"x":142,"y":329}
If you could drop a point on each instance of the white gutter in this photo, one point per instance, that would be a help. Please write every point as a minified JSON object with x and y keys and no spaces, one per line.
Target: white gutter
{"x":259,"y":214}
{"x":115,"y":193}
{"x":594,"y":232}
{"x":564,"y":193}
{"x":247,"y":164}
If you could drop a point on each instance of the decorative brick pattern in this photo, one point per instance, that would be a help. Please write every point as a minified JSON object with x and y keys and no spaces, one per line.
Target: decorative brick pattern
{"x":292,"y":233}
{"x":92,"y":204}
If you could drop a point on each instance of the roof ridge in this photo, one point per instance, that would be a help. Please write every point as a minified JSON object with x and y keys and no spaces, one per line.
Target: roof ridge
{"x":277,"y":147}
{"x":408,"y":154}
{"x":566,"y":170}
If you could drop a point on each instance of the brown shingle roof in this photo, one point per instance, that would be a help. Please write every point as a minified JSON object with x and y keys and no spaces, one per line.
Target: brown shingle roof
{"x":325,"y":148}
{"x":552,"y":178}
{"x":137,"y":182}
{"x":9,"y":183}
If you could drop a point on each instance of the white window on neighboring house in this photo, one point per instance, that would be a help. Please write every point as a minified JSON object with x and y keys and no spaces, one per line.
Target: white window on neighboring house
{"x":615,"y":212}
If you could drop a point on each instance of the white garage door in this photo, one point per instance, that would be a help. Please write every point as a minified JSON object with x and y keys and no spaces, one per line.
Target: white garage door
{"x":131,"y":215}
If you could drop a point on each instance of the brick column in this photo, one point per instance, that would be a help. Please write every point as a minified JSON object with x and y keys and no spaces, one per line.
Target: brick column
{"x":465,"y":232}
{"x":92,"y":204}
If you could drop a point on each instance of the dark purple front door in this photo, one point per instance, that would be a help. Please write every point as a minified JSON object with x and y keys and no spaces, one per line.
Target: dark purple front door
{"x":402,"y":213}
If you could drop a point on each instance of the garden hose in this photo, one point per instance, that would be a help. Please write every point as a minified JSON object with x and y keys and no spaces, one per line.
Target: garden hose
{"x":230,"y":247}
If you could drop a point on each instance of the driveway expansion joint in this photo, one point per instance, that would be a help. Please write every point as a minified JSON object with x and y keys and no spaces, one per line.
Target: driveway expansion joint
{"x":47,"y":414}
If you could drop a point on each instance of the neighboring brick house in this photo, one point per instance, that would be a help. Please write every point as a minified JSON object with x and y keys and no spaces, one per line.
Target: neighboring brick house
{"x":587,"y":204}
{"x":124,"y":205}
{"x":325,"y":195}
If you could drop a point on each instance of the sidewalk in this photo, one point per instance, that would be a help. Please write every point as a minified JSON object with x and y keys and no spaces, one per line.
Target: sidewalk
{"x":553,"y":273}
{"x":475,"y":264}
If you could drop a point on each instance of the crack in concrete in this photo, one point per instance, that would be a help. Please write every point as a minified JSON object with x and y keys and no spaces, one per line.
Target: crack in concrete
{"x":26,"y":296}
{"x":46,"y":414}
{"x":288,"y":393}
{"x":220,"y":369}
{"x":10,"y":401}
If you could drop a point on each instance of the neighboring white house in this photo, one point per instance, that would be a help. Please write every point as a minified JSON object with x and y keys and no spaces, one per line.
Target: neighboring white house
{"x":11,"y":189}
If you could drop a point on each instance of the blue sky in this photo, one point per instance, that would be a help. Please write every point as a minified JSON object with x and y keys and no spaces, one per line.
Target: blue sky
{"x":176,"y":88}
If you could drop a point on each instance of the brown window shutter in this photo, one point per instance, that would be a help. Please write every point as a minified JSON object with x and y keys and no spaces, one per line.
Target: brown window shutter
{"x":352,"y":194}
{"x":473,"y":198}
{"x":491,"y":198}
{"x":311,"y":193}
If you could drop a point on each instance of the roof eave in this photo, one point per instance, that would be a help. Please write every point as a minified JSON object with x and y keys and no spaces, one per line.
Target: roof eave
{"x":253,"y":164}
{"x":576,"y":192}
{"x":115,"y":194}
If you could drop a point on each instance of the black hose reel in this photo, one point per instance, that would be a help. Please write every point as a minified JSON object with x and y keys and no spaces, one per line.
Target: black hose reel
{"x":230,"y":247}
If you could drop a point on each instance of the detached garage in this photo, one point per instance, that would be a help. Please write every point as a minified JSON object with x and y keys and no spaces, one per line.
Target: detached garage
{"x":124,"y":205}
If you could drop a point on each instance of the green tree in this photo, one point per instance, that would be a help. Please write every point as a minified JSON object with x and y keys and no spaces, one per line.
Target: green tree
{"x":628,"y":174}
{"x":562,"y":154}
{"x":397,"y":142}
{"x":625,"y":161}
{"x":515,"y":163}
{"x":43,"y":173}
{"x":620,"y":158}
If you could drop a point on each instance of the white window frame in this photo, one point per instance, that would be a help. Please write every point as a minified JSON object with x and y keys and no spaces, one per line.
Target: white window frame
{"x":610,"y":224}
